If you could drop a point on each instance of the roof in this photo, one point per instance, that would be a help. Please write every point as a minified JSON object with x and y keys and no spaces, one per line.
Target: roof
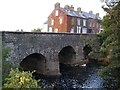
{"x":72,"y":13}
{"x":81,"y":14}
{"x":46,"y":22}
{"x":90,"y":15}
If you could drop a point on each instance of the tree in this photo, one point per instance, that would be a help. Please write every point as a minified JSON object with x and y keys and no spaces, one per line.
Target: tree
{"x":110,"y":3}
{"x":110,"y":44}
{"x":37,"y":30}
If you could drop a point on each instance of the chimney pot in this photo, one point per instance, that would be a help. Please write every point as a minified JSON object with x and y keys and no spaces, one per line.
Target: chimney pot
{"x":71,"y":8}
{"x":97,"y":15}
{"x":78,"y":9}
{"x":67,"y":7}
{"x":57,"y":6}
{"x":91,"y":12}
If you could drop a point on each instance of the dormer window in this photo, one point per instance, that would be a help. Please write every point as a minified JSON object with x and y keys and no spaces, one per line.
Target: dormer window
{"x":56,"y":13}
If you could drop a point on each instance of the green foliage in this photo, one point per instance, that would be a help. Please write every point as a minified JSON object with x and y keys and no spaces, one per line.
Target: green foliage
{"x":37,"y":30}
{"x":93,"y":42}
{"x":6,"y":65}
{"x":18,"y":79}
{"x":110,"y":47}
{"x":110,"y":37}
{"x":111,"y":75}
{"x":0,"y":60}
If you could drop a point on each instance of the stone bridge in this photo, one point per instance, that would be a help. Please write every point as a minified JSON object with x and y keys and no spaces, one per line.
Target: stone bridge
{"x":44,"y":52}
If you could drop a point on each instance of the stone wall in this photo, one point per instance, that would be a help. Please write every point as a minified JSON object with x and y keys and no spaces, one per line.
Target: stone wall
{"x":23,"y":44}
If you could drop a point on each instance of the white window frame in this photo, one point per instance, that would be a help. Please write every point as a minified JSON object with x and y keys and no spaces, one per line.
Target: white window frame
{"x":56,"y":30}
{"x":84,"y":22}
{"x":72,"y":30}
{"x":60,"y":20}
{"x":90,"y":25}
{"x":78,"y":21}
{"x":56,"y":13}
{"x":50,"y":29}
{"x":52,"y":22}
{"x":78,"y":29}
{"x":83,"y":30}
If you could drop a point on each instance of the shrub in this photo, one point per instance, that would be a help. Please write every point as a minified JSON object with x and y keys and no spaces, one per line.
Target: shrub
{"x":18,"y":79}
{"x":6,"y":65}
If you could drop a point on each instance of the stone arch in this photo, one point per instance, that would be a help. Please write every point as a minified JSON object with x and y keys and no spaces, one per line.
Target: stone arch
{"x":67,"y":55}
{"x":86,"y":50}
{"x":35,"y":62}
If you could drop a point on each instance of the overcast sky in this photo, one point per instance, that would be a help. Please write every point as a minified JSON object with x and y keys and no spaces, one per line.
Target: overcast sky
{"x":31,"y":14}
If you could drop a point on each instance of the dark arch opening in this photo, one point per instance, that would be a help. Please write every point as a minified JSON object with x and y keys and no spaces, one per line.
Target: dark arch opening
{"x":35,"y":62}
{"x":86,"y":50}
{"x":67,"y":55}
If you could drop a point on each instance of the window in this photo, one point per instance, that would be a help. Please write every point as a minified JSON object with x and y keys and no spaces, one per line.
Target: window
{"x":56,"y":13}
{"x":72,"y":30}
{"x":78,"y":29}
{"x":73,"y":21}
{"x":78,"y":21}
{"x":52,"y":22}
{"x":97,"y":25}
{"x":60,"y":19}
{"x":93,"y":24}
{"x":84,"y":22}
{"x":90,"y":25}
{"x":56,"y":30}
{"x":84,"y":30}
{"x":50,"y":29}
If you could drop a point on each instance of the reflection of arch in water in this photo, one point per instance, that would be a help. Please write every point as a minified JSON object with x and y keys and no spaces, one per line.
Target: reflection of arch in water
{"x":34,"y":61}
{"x":86,"y":50}
{"x":67,"y":55}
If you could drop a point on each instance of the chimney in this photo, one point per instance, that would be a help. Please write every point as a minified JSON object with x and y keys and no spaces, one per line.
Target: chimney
{"x":79,"y":9}
{"x":90,"y":12}
{"x":57,"y":6}
{"x":66,"y":7}
{"x":71,"y":8}
{"x":97,"y":15}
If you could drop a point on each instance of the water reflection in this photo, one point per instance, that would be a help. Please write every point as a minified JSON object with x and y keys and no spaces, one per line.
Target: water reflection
{"x":73,"y":78}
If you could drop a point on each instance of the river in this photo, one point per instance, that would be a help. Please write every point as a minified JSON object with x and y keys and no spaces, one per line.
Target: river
{"x":73,"y":78}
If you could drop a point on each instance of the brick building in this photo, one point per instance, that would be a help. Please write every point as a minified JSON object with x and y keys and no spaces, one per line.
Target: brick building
{"x":68,"y":20}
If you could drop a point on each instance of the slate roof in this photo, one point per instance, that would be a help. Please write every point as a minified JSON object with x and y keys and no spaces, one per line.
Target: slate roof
{"x":81,"y":14}
{"x":46,"y":22}
{"x":90,"y":15}
{"x":72,"y":13}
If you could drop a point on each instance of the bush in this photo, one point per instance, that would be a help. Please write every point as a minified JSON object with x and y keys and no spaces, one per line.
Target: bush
{"x":6,"y":65}
{"x":18,"y":79}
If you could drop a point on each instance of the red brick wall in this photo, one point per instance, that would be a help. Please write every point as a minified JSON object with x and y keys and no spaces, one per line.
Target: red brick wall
{"x":61,"y":27}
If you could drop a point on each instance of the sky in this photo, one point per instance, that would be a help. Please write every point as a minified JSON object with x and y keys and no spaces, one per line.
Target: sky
{"x":31,"y":14}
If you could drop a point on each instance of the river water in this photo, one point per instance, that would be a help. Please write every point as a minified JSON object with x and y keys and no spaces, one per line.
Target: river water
{"x":73,"y":78}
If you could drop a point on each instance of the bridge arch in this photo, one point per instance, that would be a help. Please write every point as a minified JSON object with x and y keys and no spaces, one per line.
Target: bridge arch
{"x":67,"y":55}
{"x":35,"y":61}
{"x":86,"y":50}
